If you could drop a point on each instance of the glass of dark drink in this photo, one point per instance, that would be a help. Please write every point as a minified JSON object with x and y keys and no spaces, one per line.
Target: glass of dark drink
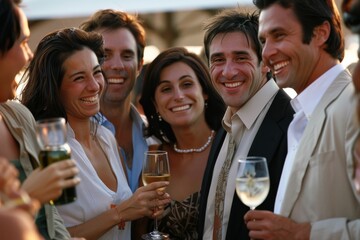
{"x":51,"y":136}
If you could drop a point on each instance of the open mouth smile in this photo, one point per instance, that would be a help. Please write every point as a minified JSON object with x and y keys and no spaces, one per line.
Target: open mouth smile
{"x":181,"y":108}
{"x":91,"y":99}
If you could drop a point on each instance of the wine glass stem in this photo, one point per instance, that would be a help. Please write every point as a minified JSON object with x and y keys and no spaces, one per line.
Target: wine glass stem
{"x":155,"y":224}
{"x":155,"y":231}
{"x":252,"y":208}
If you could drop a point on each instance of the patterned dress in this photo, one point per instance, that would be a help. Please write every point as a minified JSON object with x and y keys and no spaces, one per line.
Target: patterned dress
{"x":180,"y":218}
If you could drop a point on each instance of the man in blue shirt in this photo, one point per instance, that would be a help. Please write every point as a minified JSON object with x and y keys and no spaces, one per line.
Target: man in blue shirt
{"x":124,"y":43}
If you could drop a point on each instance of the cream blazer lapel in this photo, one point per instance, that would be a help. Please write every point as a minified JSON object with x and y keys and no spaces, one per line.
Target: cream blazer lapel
{"x":309,"y":142}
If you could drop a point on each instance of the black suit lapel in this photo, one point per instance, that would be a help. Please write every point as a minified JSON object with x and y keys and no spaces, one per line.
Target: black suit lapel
{"x":214,"y":152}
{"x":272,"y":129}
{"x":270,"y":142}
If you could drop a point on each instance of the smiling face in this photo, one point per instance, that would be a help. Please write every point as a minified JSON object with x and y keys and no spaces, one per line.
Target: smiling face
{"x":234,"y":68}
{"x":293,"y":63}
{"x":121,"y":65}
{"x":82,"y":85}
{"x":15,"y":59}
{"x":179,"y":98}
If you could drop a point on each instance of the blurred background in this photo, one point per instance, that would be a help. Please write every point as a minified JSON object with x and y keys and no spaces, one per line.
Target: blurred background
{"x":167,"y":23}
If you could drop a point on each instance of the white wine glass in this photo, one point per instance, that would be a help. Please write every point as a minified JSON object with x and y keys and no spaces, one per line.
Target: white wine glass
{"x":252,"y":181}
{"x":155,"y":168}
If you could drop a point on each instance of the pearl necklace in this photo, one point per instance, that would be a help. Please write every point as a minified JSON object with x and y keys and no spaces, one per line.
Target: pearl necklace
{"x":200,"y":149}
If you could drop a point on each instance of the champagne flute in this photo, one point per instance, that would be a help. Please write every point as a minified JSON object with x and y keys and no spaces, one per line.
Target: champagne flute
{"x":252,"y":181}
{"x":51,"y":136}
{"x":155,"y":168}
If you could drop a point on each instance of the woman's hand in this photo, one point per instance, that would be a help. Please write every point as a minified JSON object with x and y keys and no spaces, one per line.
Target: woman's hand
{"x":144,"y":201}
{"x":11,"y":197}
{"x":21,"y":200}
{"x":9,"y":182}
{"x":47,"y":184}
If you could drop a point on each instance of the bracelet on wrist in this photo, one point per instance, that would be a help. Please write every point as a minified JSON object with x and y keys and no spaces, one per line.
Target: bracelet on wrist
{"x":121,"y":224}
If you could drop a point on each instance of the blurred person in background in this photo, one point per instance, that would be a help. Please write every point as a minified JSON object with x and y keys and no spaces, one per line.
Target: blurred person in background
{"x":351,"y":17}
{"x":124,"y":43}
{"x":17,"y":126}
{"x":16,"y":208}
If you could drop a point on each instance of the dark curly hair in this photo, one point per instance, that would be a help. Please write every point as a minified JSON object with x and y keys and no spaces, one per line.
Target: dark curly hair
{"x":10,"y":25}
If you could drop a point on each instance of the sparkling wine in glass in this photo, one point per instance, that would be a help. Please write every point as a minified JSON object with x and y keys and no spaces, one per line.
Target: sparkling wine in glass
{"x":155,"y":168}
{"x":252,"y":181}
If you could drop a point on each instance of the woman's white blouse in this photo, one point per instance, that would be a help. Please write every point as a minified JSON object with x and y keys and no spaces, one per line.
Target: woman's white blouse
{"x":93,"y":196}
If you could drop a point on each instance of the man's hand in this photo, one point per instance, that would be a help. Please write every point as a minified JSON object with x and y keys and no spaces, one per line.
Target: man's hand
{"x":267,"y":225}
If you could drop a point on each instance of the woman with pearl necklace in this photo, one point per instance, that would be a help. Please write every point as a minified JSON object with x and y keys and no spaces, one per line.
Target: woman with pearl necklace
{"x":184,"y":112}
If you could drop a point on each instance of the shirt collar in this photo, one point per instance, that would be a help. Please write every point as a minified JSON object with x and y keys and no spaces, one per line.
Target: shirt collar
{"x":308,"y":99}
{"x":249,"y":112}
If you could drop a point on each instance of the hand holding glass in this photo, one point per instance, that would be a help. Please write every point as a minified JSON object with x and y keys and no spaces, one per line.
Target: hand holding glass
{"x":11,"y":195}
{"x":252,"y":181}
{"x":155,"y":168}
{"x":51,"y":136}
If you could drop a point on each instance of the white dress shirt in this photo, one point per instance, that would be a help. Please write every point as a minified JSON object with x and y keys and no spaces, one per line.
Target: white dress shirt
{"x":304,"y":105}
{"x":250,"y":116}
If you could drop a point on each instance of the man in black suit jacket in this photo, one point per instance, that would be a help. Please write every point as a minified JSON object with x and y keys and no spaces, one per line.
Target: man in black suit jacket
{"x":234,"y":54}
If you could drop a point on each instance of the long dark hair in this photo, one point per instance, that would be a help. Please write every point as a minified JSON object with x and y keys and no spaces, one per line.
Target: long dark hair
{"x":45,"y":72}
{"x":10,"y":25}
{"x":215,"y":106}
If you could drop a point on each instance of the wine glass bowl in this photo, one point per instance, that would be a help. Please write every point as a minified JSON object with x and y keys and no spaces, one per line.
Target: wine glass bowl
{"x":252,"y":181}
{"x":155,"y":168}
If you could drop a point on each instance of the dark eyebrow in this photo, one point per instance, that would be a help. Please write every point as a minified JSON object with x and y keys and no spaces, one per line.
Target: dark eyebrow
{"x":97,"y":66}
{"x":185,"y":76}
{"x":233,"y":52}
{"x":216,"y":55}
{"x":77,"y":73}
{"x":182,"y":77}
{"x":81,"y":72}
{"x":128,"y":50}
{"x":275,"y":30}
{"x":241,"y":52}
